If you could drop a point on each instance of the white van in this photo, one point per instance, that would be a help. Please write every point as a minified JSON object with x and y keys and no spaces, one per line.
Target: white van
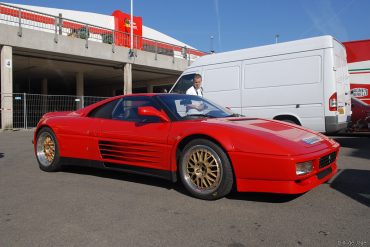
{"x":303,"y":82}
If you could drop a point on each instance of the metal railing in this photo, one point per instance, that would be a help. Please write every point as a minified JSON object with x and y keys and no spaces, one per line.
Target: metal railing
{"x":23,"y":111}
{"x":24,"y":18}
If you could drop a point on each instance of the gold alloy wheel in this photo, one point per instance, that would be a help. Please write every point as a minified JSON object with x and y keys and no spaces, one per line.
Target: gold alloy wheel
{"x":203,"y":168}
{"x":49,"y":149}
{"x":46,"y":148}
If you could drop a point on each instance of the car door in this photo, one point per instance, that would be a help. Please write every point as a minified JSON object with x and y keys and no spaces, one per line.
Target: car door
{"x":133,"y":140}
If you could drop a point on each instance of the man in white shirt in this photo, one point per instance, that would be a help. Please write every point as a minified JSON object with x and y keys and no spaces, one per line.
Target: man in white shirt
{"x":196,"y":89}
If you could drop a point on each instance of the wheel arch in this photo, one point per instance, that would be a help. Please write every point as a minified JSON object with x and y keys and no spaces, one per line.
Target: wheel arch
{"x":41,"y":127}
{"x":291,"y":117}
{"x":181,"y":145}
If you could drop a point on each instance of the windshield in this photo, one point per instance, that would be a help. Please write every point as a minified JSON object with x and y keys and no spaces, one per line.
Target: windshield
{"x":184,"y":107}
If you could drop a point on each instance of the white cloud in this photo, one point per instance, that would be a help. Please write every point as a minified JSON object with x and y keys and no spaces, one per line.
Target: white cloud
{"x":325,"y":19}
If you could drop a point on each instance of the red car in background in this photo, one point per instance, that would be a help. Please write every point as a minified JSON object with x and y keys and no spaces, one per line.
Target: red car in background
{"x":360,"y":120}
{"x":181,"y":136}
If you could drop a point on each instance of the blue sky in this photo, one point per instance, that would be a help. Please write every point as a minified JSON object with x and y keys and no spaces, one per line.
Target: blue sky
{"x":236,"y":24}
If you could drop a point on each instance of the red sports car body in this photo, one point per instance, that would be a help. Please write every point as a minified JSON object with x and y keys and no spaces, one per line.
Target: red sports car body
{"x":211,"y":151}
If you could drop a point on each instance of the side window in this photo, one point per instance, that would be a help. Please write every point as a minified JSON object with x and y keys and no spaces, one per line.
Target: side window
{"x":127,"y":110}
{"x":183,"y":84}
{"x":104,"y":111}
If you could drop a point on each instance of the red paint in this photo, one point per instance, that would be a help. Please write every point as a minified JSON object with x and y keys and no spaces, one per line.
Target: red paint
{"x":353,"y":73}
{"x":360,"y":116}
{"x":357,"y":51}
{"x":122,"y":24}
{"x":263,"y":153}
{"x":365,"y":98}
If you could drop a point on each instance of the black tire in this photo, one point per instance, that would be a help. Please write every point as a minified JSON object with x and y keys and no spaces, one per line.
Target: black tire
{"x":47,"y":150}
{"x":207,"y":175}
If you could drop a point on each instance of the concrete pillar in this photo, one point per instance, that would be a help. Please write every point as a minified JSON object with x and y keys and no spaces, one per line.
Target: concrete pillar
{"x":6,"y":87}
{"x":127,"y":79}
{"x":44,"y":93}
{"x":80,"y":89}
{"x":44,"y":86}
{"x":149,"y":88}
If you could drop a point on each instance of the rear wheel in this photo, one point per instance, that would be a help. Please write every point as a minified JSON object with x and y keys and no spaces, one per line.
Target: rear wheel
{"x":47,"y":150}
{"x":205,"y":170}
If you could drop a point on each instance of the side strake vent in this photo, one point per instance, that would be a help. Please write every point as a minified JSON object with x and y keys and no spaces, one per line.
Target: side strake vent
{"x":124,"y":152}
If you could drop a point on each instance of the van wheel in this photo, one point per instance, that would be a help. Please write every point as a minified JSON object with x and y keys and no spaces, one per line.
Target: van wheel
{"x":205,"y":170}
{"x":289,"y":121}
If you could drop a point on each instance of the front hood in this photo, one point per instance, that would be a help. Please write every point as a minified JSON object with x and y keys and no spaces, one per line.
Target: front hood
{"x":272,"y":137}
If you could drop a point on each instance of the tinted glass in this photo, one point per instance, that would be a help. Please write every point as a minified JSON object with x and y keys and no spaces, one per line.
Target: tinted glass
{"x":185,"y":107}
{"x":127,"y":110}
{"x":104,"y":111}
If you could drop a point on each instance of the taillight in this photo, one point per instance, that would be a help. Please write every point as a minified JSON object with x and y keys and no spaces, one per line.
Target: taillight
{"x":333,"y":106}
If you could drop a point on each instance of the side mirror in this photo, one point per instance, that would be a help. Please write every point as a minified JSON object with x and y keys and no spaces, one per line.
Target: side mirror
{"x":150,"y":111}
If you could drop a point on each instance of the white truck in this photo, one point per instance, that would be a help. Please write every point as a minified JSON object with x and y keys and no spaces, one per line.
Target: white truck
{"x":303,"y":82}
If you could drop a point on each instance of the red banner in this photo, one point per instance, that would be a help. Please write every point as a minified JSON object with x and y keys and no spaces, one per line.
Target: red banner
{"x":122,"y":24}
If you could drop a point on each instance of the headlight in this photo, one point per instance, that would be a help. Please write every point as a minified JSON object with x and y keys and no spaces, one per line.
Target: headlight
{"x":303,"y":168}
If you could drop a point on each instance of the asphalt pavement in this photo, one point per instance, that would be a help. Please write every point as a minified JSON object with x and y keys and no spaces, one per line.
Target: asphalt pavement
{"x":91,"y":207}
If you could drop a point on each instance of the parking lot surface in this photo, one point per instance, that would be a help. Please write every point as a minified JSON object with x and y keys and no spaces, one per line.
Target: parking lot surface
{"x":91,"y":207}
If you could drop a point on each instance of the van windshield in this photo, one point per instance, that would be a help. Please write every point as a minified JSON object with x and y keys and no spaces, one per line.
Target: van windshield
{"x":183,"y":84}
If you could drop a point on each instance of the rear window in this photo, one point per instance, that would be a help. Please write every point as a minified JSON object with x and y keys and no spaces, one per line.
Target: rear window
{"x":104,"y":111}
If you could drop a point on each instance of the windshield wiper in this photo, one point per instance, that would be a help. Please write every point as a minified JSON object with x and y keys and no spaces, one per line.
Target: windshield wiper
{"x":200,"y":115}
{"x":236,"y":115}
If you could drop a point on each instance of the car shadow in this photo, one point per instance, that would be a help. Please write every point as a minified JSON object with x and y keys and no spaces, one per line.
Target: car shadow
{"x":354,"y":184}
{"x":262,"y":197}
{"x":125,"y":176}
{"x":360,"y":146}
{"x":168,"y":185}
{"x":1,"y":155}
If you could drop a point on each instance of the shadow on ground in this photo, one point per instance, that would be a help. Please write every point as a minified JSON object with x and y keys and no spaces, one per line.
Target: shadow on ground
{"x":353,"y":183}
{"x":168,"y":185}
{"x":360,"y":146}
{"x":262,"y":197}
{"x":125,"y":176}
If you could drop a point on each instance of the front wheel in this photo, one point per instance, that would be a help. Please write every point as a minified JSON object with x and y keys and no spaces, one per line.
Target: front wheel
{"x":205,"y":170}
{"x":47,"y":150}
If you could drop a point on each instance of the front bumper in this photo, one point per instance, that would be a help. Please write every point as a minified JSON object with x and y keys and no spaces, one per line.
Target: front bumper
{"x":276,"y":174}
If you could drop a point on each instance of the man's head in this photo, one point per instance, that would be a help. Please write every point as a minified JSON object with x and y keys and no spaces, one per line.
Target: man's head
{"x":197,"y":81}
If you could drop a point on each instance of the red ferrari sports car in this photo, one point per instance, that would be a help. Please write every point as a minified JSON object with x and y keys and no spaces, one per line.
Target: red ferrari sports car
{"x":183,"y":136}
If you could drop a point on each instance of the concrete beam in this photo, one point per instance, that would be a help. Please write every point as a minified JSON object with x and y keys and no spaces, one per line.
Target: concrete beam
{"x":39,"y":41}
{"x":6,"y":87}
{"x":127,"y":79}
{"x":156,"y":82}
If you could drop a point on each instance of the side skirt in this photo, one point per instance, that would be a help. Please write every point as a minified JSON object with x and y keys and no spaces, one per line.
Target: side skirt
{"x":168,"y":175}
